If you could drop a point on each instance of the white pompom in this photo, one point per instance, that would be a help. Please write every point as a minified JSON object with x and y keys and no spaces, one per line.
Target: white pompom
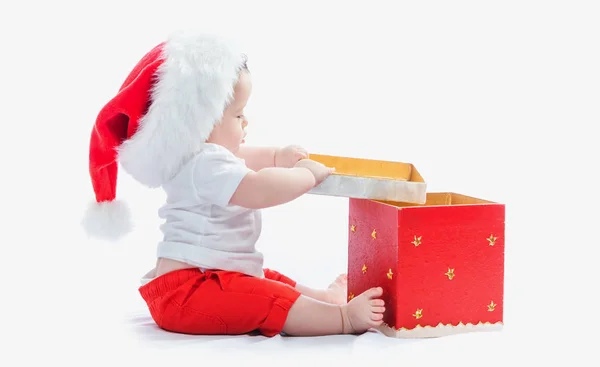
{"x":109,"y":220}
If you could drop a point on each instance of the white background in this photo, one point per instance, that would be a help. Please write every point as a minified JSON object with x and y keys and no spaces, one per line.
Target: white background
{"x":498,"y":100}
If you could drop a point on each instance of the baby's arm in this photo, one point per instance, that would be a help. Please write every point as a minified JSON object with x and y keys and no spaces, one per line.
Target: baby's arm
{"x":272,"y":186}
{"x":256,"y":157}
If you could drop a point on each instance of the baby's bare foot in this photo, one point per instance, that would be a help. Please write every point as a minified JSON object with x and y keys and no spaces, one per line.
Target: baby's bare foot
{"x":337,"y":292}
{"x":363,"y":312}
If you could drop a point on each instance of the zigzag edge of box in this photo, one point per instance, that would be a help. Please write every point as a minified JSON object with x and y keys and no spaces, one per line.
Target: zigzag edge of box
{"x":438,"y":331}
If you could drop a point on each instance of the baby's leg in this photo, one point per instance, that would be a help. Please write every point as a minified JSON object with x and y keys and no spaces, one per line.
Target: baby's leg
{"x":336,"y":293}
{"x":309,"y":317}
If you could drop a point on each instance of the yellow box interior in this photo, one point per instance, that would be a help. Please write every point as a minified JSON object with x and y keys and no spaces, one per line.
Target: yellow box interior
{"x":442,"y":198}
{"x":369,"y":168}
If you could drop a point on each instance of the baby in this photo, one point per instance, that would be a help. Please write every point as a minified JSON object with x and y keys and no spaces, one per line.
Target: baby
{"x":178,"y":123}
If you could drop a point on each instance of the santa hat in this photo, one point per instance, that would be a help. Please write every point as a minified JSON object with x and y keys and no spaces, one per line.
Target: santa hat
{"x":163,"y":113}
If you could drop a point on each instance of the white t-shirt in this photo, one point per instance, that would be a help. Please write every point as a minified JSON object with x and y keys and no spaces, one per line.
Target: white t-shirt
{"x":201,"y":228}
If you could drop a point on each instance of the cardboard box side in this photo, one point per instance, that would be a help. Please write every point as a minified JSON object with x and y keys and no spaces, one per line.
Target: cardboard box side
{"x":370,"y":168}
{"x":441,"y":199}
{"x":373,"y":252}
{"x":451,"y":265}
{"x":372,"y":189}
{"x":415,"y":175}
{"x":371,"y":179}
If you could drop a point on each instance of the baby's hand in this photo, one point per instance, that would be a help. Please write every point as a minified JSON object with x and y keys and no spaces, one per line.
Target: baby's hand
{"x":287,"y":157}
{"x":320,"y":171}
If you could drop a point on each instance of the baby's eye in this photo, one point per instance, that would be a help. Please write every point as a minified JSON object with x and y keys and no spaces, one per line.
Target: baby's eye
{"x":240,"y":116}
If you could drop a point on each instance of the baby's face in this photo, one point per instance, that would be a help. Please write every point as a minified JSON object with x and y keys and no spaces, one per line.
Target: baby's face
{"x":230,"y":132}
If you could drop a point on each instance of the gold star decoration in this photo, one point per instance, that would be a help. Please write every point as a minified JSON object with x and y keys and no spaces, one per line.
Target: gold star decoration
{"x":417,"y":241}
{"x":350,"y":296}
{"x":418,"y":314}
{"x":450,"y":273}
{"x":390,"y":274}
{"x":374,"y":234}
{"x":353,"y":228}
{"x":492,"y":240}
{"x":364,"y":268}
{"x":491,"y":306}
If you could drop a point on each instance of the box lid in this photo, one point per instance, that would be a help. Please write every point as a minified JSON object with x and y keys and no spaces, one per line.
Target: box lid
{"x":371,"y":179}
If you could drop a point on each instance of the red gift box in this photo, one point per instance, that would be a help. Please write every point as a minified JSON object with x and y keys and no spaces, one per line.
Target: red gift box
{"x":439,"y":257}
{"x":440,"y":264}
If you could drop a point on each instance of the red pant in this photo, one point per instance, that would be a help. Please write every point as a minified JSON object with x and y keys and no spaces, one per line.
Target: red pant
{"x":220,"y":302}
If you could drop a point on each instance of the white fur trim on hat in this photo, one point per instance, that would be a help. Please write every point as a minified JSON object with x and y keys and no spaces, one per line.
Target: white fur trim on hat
{"x":108,"y":220}
{"x":193,"y":87}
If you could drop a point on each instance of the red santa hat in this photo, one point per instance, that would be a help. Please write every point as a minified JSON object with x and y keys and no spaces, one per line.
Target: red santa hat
{"x":162,"y":114}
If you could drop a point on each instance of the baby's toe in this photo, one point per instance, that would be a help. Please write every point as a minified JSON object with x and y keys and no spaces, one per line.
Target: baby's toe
{"x":377,"y":302}
{"x":375,"y":323}
{"x":377,"y":316}
{"x":373,"y":292}
{"x":378,"y":309}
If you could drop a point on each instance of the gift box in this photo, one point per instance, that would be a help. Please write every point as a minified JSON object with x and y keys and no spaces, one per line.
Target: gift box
{"x":439,"y":259}
{"x":371,"y":179}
